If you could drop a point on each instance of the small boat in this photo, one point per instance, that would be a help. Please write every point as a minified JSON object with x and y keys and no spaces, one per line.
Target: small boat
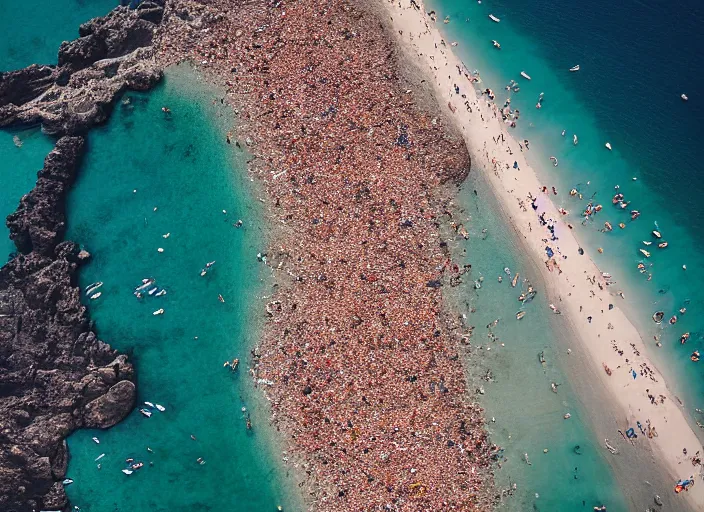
{"x":220,"y":298}
{"x":695,"y":356}
{"x":507,"y":271}
{"x":477,"y":284}
{"x":662,"y":245}
{"x":554,"y":309}
{"x":160,"y":408}
{"x":541,"y":357}
{"x":683,"y":311}
{"x":658,"y":316}
{"x":92,"y":287}
{"x":493,"y":324}
{"x":657,"y":234}
{"x":99,"y":457}
{"x":644,"y":253}
{"x":496,"y":44}
{"x":515,"y":280}
{"x":574,"y":68}
{"x":574,"y":139}
{"x":525,"y":75}
{"x":608,"y":146}
{"x":684,"y":338}
{"x":96,"y":296}
{"x":494,"y":18}
{"x":152,"y":291}
{"x":684,"y":97}
{"x":520,"y":315}
{"x":149,"y":404}
{"x":522,"y":297}
{"x":127,"y":471}
{"x":160,"y":293}
{"x":138,"y":465}
{"x":159,"y":311}
{"x":553,"y":386}
{"x":673,"y":319}
{"x":146,"y":283}
{"x":96,"y":440}
{"x":145,"y":413}
{"x":647,"y":243}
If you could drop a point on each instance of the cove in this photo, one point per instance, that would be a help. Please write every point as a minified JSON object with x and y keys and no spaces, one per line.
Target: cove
{"x":148,"y":174}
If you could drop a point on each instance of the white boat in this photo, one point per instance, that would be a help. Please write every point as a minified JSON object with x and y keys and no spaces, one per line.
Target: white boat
{"x":574,"y":68}
{"x":153,"y":291}
{"x":145,"y":412}
{"x":647,"y":243}
{"x":684,"y":97}
{"x":99,"y":457}
{"x":149,"y":404}
{"x":520,"y":315}
{"x":525,"y":75}
{"x":67,"y":481}
{"x":96,"y":295}
{"x":146,"y":283}
{"x":160,"y":293}
{"x":127,"y":471}
{"x":92,"y":287}
{"x":608,"y":146}
{"x":644,"y":253}
{"x":494,"y":18}
{"x":657,"y":234}
{"x":159,"y":311}
{"x":96,"y":440}
{"x":574,"y":139}
{"x":161,"y":408}
{"x":496,"y":45}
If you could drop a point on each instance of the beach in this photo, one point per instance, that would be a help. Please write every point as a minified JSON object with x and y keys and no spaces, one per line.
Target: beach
{"x":575,"y":284}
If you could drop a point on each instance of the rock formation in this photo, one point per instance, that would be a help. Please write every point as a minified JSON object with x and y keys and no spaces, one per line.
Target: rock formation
{"x":113,"y":54}
{"x":55,"y":375}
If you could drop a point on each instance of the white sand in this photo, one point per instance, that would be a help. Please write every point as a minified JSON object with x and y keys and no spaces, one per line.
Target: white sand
{"x":570,"y":290}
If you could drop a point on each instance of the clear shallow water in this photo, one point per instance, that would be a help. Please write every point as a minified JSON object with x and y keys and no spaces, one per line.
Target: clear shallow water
{"x":528,"y":416}
{"x":32,"y":30}
{"x":626,"y":92}
{"x":18,"y":172}
{"x":182,"y":166}
{"x":619,"y":95}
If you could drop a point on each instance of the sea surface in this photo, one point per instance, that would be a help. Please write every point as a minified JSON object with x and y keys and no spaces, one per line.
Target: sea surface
{"x":31,"y":32}
{"x":158,"y":197}
{"x":636,"y":58}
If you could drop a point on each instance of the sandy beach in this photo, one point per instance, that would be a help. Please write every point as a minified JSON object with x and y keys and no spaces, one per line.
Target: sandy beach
{"x":575,"y":284}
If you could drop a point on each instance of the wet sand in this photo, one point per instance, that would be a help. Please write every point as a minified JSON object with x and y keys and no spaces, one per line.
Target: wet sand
{"x":575,"y":284}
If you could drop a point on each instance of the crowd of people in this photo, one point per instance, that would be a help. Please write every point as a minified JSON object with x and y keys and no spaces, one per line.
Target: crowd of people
{"x":362,"y":366}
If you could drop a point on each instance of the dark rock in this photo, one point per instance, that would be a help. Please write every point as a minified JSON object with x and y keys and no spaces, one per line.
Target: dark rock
{"x":307,"y":390}
{"x":110,"y":408}
{"x":39,"y":222}
{"x":434,"y":284}
{"x":113,"y":54}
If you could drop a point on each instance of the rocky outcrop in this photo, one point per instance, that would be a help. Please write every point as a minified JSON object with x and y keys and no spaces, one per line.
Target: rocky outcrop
{"x":113,"y":54}
{"x":55,"y":375}
{"x":39,"y":222}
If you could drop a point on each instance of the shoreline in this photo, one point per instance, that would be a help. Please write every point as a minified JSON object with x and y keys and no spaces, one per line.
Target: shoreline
{"x":359,"y":362}
{"x":570,"y":290}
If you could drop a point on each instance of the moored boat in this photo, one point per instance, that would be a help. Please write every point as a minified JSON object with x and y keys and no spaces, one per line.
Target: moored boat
{"x":520,"y":315}
{"x":644,"y":253}
{"x":160,"y":408}
{"x":496,"y":44}
{"x":662,"y":245}
{"x":494,"y":18}
{"x":608,"y":146}
{"x":92,"y":287}
{"x":684,"y":97}
{"x":525,"y":75}
{"x":96,"y":295}
{"x":574,"y":68}
{"x":656,"y":234}
{"x":159,"y":311}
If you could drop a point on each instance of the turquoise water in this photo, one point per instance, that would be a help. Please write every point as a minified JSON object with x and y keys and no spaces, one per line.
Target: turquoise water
{"x":528,"y":416}
{"x":18,"y":172}
{"x":32,"y":30}
{"x":626,"y":92}
{"x":190,"y":183}
{"x":667,"y":187}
